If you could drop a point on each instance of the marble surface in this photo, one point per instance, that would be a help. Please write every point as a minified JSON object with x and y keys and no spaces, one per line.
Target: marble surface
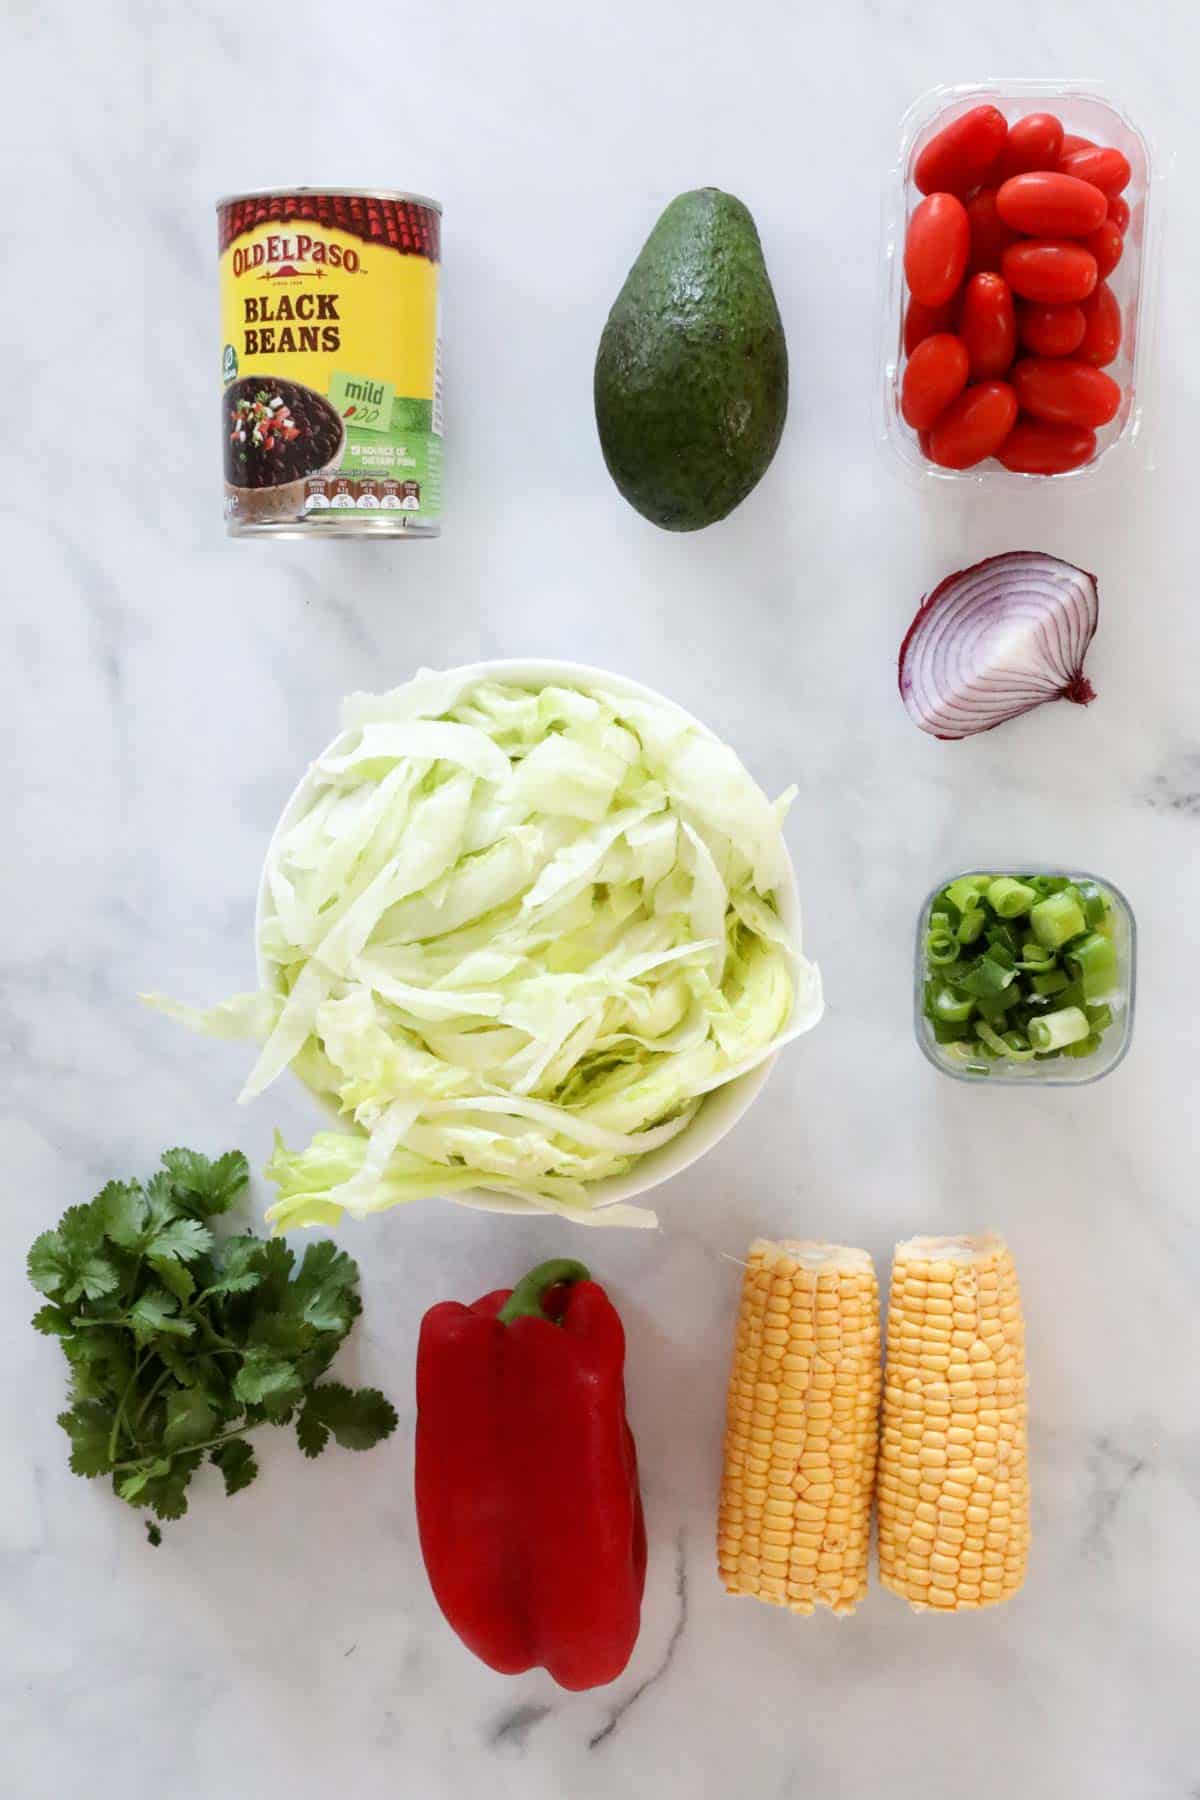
{"x":162,"y":688}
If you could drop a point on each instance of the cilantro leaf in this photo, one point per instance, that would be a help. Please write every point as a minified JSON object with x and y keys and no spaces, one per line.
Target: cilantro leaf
{"x":208,"y":1187}
{"x":325,"y":1290}
{"x":312,"y":1435}
{"x":185,"y":1239}
{"x":174,"y":1276}
{"x":239,"y":1265}
{"x":52,"y":1321}
{"x":131,"y":1485}
{"x":155,"y":1311}
{"x":190,"y":1418}
{"x":359,"y":1418}
{"x":237,"y":1463}
{"x":162,"y":1202}
{"x":81,"y":1229}
{"x":153,"y":1534}
{"x":65,"y":1264}
{"x":167,"y":1494}
{"x":89,"y":1425}
{"x":180,"y":1360}
{"x":276,"y":1262}
{"x":266,"y":1379}
{"x":48,"y":1264}
{"x":283,"y":1332}
{"x":123,"y":1207}
{"x":101,"y":1363}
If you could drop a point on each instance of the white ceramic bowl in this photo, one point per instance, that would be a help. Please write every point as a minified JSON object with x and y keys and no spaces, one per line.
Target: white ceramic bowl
{"x":720,"y":1110}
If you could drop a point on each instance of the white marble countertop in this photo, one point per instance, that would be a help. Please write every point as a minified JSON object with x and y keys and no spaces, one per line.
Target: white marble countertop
{"x":162,"y":688}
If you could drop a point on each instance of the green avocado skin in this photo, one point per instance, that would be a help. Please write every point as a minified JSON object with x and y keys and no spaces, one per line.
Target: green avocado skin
{"x":692,"y":374}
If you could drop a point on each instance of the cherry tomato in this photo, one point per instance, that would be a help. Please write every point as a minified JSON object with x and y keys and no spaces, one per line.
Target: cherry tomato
{"x":1050,"y":330}
{"x":1045,"y":204}
{"x":961,"y":155}
{"x":1106,"y":245}
{"x":921,"y":322}
{"x":1048,"y":270}
{"x":936,"y":375}
{"x":988,"y":326}
{"x":1118,"y":211}
{"x":1102,"y":327}
{"x":1106,"y":169}
{"x":1071,"y":143}
{"x":1033,"y":447}
{"x":936,"y":249}
{"x":1034,"y":142}
{"x":990,"y":236}
{"x":975,"y":425}
{"x":1065,"y":392}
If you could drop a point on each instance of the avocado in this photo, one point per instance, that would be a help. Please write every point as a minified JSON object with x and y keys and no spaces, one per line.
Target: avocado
{"x":692,"y":374}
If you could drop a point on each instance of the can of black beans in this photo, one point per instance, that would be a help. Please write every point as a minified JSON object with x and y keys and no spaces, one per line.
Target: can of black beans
{"x":331,"y":363}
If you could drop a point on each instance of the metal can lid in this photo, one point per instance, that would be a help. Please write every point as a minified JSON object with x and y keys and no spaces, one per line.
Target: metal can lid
{"x":345,"y":193}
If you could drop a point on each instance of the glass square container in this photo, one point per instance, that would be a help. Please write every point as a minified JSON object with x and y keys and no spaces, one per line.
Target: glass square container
{"x":1086,"y":111}
{"x":1058,"y":1071}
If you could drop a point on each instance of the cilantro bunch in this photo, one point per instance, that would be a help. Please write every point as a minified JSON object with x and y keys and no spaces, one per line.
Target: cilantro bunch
{"x":181,"y":1344}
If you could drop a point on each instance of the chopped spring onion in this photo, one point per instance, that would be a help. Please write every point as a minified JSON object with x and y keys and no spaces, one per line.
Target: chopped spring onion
{"x":1057,"y":919}
{"x":971,"y":925}
{"x":1008,"y":899}
{"x":992,"y":1039}
{"x":987,"y":977}
{"x":1093,"y":960}
{"x":954,"y":1009}
{"x":1094,"y":904}
{"x":1058,"y":1029}
{"x":964,"y":894}
{"x":1019,"y":968}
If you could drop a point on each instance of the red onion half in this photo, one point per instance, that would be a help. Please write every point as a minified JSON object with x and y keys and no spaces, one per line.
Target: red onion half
{"x":997,"y":640}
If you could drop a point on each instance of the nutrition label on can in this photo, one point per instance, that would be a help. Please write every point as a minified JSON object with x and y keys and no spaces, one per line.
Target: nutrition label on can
{"x":366,"y":495}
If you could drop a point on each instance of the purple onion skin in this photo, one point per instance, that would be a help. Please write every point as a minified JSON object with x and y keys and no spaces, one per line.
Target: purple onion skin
{"x":1078,"y":689}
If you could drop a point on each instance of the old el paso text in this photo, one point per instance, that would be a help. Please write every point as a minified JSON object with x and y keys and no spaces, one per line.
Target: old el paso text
{"x":301,"y":248}
{"x":291,"y":322}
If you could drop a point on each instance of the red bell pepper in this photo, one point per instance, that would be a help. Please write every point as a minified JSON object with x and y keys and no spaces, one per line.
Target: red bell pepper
{"x":526,"y":1477}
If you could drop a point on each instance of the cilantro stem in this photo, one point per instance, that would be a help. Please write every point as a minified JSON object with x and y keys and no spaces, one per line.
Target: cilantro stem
{"x":119,"y":1417}
{"x":165,"y":1375}
{"x":208,"y":1444}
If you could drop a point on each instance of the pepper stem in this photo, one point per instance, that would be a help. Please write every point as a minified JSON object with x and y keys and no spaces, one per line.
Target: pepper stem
{"x":525,"y":1301}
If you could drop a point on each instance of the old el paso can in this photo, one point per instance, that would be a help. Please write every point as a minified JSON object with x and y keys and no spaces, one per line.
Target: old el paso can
{"x":331,"y":402}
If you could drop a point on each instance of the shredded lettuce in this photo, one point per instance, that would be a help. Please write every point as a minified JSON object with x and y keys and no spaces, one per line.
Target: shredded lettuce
{"x":514,"y":936}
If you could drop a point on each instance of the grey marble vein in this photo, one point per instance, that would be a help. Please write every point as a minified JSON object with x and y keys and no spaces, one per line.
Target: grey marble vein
{"x":624,"y":1707}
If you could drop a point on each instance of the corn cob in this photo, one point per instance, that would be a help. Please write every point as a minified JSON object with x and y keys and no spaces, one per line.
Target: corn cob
{"x":802,"y":1428}
{"x":953,"y":1460}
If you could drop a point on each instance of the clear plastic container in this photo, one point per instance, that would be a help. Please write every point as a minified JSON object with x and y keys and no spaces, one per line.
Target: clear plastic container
{"x":1086,"y":111}
{"x":1058,"y":1071}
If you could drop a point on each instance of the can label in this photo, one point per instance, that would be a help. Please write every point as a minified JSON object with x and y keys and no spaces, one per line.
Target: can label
{"x":330,"y":361}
